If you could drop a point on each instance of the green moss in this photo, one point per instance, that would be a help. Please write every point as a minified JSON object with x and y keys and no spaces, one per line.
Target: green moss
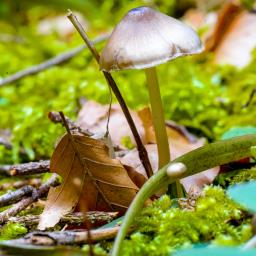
{"x":127,"y":142}
{"x":196,"y":93}
{"x":31,"y":211}
{"x":237,"y":176}
{"x":12,"y":231}
{"x":97,"y":250}
{"x":161,"y":229}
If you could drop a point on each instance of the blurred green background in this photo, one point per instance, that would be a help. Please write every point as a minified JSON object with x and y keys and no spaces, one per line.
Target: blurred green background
{"x":196,"y":92}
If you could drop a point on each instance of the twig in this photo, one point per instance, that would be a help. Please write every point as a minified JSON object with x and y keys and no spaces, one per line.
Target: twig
{"x":6,"y":38}
{"x":30,"y":168}
{"x":35,"y":182}
{"x":76,"y":218}
{"x":68,"y":237}
{"x":5,"y":143}
{"x":249,"y":101}
{"x":59,"y":59}
{"x":24,"y":203}
{"x":15,"y":196}
{"x":182,"y":130}
{"x":56,"y":118}
{"x":141,"y":149}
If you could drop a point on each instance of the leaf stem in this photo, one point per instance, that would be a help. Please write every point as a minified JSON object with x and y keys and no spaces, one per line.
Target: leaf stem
{"x":198,"y":160}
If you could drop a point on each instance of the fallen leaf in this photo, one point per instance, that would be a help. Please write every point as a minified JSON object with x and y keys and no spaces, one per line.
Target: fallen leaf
{"x":90,"y":177}
{"x":233,"y":37}
{"x":239,"y":41}
{"x":179,"y":145}
{"x":225,"y":16}
{"x":93,"y":116}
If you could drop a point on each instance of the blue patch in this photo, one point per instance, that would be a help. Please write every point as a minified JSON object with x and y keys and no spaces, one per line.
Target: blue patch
{"x":138,"y":10}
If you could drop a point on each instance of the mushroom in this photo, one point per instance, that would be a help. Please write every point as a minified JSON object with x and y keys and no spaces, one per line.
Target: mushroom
{"x":143,"y":39}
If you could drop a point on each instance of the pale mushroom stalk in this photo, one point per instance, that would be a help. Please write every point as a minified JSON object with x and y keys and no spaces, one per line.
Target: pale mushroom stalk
{"x":158,"y":117}
{"x":143,"y":39}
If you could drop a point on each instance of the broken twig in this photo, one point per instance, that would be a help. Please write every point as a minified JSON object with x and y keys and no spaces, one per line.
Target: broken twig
{"x":56,"y":118}
{"x":76,"y":218}
{"x":68,"y":237}
{"x":25,"y":202}
{"x":5,"y":143}
{"x":249,"y":101}
{"x":15,"y":196}
{"x":30,"y":168}
{"x":35,"y":182}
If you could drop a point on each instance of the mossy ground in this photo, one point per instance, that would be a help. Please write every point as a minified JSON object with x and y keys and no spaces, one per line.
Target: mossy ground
{"x":196,"y":93}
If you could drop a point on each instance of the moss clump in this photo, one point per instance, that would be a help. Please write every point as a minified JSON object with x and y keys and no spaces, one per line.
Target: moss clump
{"x":236,"y":176}
{"x":35,"y":210}
{"x":12,"y":231}
{"x":97,"y":250}
{"x":161,"y":228}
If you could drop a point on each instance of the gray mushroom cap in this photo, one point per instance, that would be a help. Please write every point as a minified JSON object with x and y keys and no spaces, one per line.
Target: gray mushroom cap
{"x":145,"y":38}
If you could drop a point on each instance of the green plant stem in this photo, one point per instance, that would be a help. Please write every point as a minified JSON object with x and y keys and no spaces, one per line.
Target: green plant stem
{"x":215,"y":154}
{"x":158,"y":117}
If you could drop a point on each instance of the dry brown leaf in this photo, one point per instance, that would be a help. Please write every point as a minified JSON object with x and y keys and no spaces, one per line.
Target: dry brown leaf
{"x":233,"y":37}
{"x":90,"y":177}
{"x":197,"y":181}
{"x":93,"y":116}
{"x":239,"y":41}
{"x":179,"y":145}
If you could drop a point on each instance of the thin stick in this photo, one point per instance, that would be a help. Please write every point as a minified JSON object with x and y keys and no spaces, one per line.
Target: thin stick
{"x":30,"y":168}
{"x":249,"y":101}
{"x":68,"y":237}
{"x":5,"y":143}
{"x":77,"y":218}
{"x":141,"y":149}
{"x":15,"y":196}
{"x":59,"y":59}
{"x":56,"y":118}
{"x":34,"y":182}
{"x":24,"y":203}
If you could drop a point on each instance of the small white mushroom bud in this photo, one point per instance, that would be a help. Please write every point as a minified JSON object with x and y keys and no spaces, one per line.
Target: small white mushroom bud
{"x":176,"y":169}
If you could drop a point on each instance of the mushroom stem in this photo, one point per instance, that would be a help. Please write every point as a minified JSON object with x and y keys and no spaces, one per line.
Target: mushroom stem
{"x":158,"y":117}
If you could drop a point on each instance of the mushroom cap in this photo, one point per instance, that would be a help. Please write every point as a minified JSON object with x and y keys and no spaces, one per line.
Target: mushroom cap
{"x":145,"y":38}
